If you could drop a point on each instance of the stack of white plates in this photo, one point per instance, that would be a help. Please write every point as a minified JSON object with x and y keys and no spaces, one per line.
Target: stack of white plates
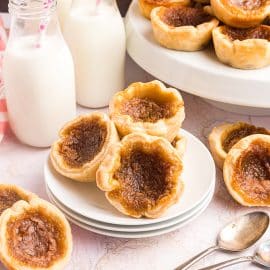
{"x":86,"y":206}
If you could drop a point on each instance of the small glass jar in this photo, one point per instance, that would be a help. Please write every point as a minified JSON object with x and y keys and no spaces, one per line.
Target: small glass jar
{"x":38,"y":73}
{"x":95,"y":33}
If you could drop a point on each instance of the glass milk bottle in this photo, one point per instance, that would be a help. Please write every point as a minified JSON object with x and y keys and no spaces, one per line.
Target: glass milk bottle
{"x":38,"y":73}
{"x":63,"y":8}
{"x":95,"y":33}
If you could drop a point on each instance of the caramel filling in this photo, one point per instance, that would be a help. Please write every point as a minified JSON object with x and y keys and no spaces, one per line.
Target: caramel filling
{"x":7,"y":198}
{"x":182,"y":16}
{"x":83,"y":142}
{"x":143,"y":178}
{"x":248,"y":4}
{"x":252,"y":173}
{"x":147,"y":110}
{"x":236,"y":135}
{"x":34,"y":240}
{"x":259,"y":32}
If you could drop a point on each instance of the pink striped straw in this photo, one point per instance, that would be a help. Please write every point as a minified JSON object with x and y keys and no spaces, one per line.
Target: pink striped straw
{"x":43,"y":24}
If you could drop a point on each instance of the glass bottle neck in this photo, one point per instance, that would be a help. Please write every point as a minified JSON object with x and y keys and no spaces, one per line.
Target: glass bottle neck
{"x":34,"y":19}
{"x":94,"y":5}
{"x":32,"y":9}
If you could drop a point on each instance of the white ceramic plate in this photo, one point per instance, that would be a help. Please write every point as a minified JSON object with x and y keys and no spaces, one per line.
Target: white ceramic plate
{"x":121,"y":228}
{"x":87,"y":200}
{"x":199,"y":73}
{"x":143,"y":234}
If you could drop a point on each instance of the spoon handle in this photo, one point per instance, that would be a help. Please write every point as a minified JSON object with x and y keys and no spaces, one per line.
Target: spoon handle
{"x":228,"y":263}
{"x":196,"y":258}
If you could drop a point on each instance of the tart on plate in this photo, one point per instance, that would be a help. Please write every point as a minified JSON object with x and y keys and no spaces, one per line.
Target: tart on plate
{"x":146,"y":6}
{"x":182,"y":28}
{"x":224,"y":137}
{"x":82,"y":146}
{"x":241,"y":13}
{"x":10,"y":194}
{"x":148,"y":107}
{"x":34,"y":235}
{"x":247,"y":171}
{"x":141,"y":175}
{"x":243,"y":48}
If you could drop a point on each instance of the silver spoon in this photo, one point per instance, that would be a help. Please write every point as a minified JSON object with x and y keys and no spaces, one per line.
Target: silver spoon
{"x":239,"y":235}
{"x":261,"y":257}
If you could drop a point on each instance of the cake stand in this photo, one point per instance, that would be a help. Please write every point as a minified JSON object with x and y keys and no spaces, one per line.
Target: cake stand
{"x":199,"y":73}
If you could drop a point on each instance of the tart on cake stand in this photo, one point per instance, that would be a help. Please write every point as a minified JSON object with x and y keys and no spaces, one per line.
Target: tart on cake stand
{"x":199,"y":73}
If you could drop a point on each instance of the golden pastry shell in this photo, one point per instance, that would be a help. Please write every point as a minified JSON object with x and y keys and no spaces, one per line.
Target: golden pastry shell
{"x":183,"y":38}
{"x":180,"y":144}
{"x":46,"y":209}
{"x":87,"y":172}
{"x":217,"y":137}
{"x":146,"y":6}
{"x":24,"y":194}
{"x":245,"y":54}
{"x":215,"y":143}
{"x":165,"y":127}
{"x":239,"y":17}
{"x":230,"y":161}
{"x":106,"y":182}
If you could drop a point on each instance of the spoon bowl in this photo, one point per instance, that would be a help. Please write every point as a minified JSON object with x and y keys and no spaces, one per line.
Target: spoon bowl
{"x":262,"y":255}
{"x":244,"y":232}
{"x":236,"y":236}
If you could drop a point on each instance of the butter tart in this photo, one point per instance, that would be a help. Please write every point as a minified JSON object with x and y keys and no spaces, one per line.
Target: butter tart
{"x":34,"y":235}
{"x":182,"y":28}
{"x":224,"y":137}
{"x":10,"y":194}
{"x":241,"y":13}
{"x":146,"y":6}
{"x":148,"y":107}
{"x":247,"y":171}
{"x":243,"y":48}
{"x":83,"y":144}
{"x":141,"y":175}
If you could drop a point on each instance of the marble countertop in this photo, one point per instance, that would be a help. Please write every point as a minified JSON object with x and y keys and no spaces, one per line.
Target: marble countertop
{"x":23,"y":165}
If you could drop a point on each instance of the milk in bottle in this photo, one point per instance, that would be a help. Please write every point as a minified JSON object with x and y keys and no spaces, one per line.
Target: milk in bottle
{"x":95,"y":33}
{"x":38,"y":74}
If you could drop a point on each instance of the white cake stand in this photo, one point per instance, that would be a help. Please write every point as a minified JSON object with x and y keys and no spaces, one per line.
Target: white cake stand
{"x":199,"y":73}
